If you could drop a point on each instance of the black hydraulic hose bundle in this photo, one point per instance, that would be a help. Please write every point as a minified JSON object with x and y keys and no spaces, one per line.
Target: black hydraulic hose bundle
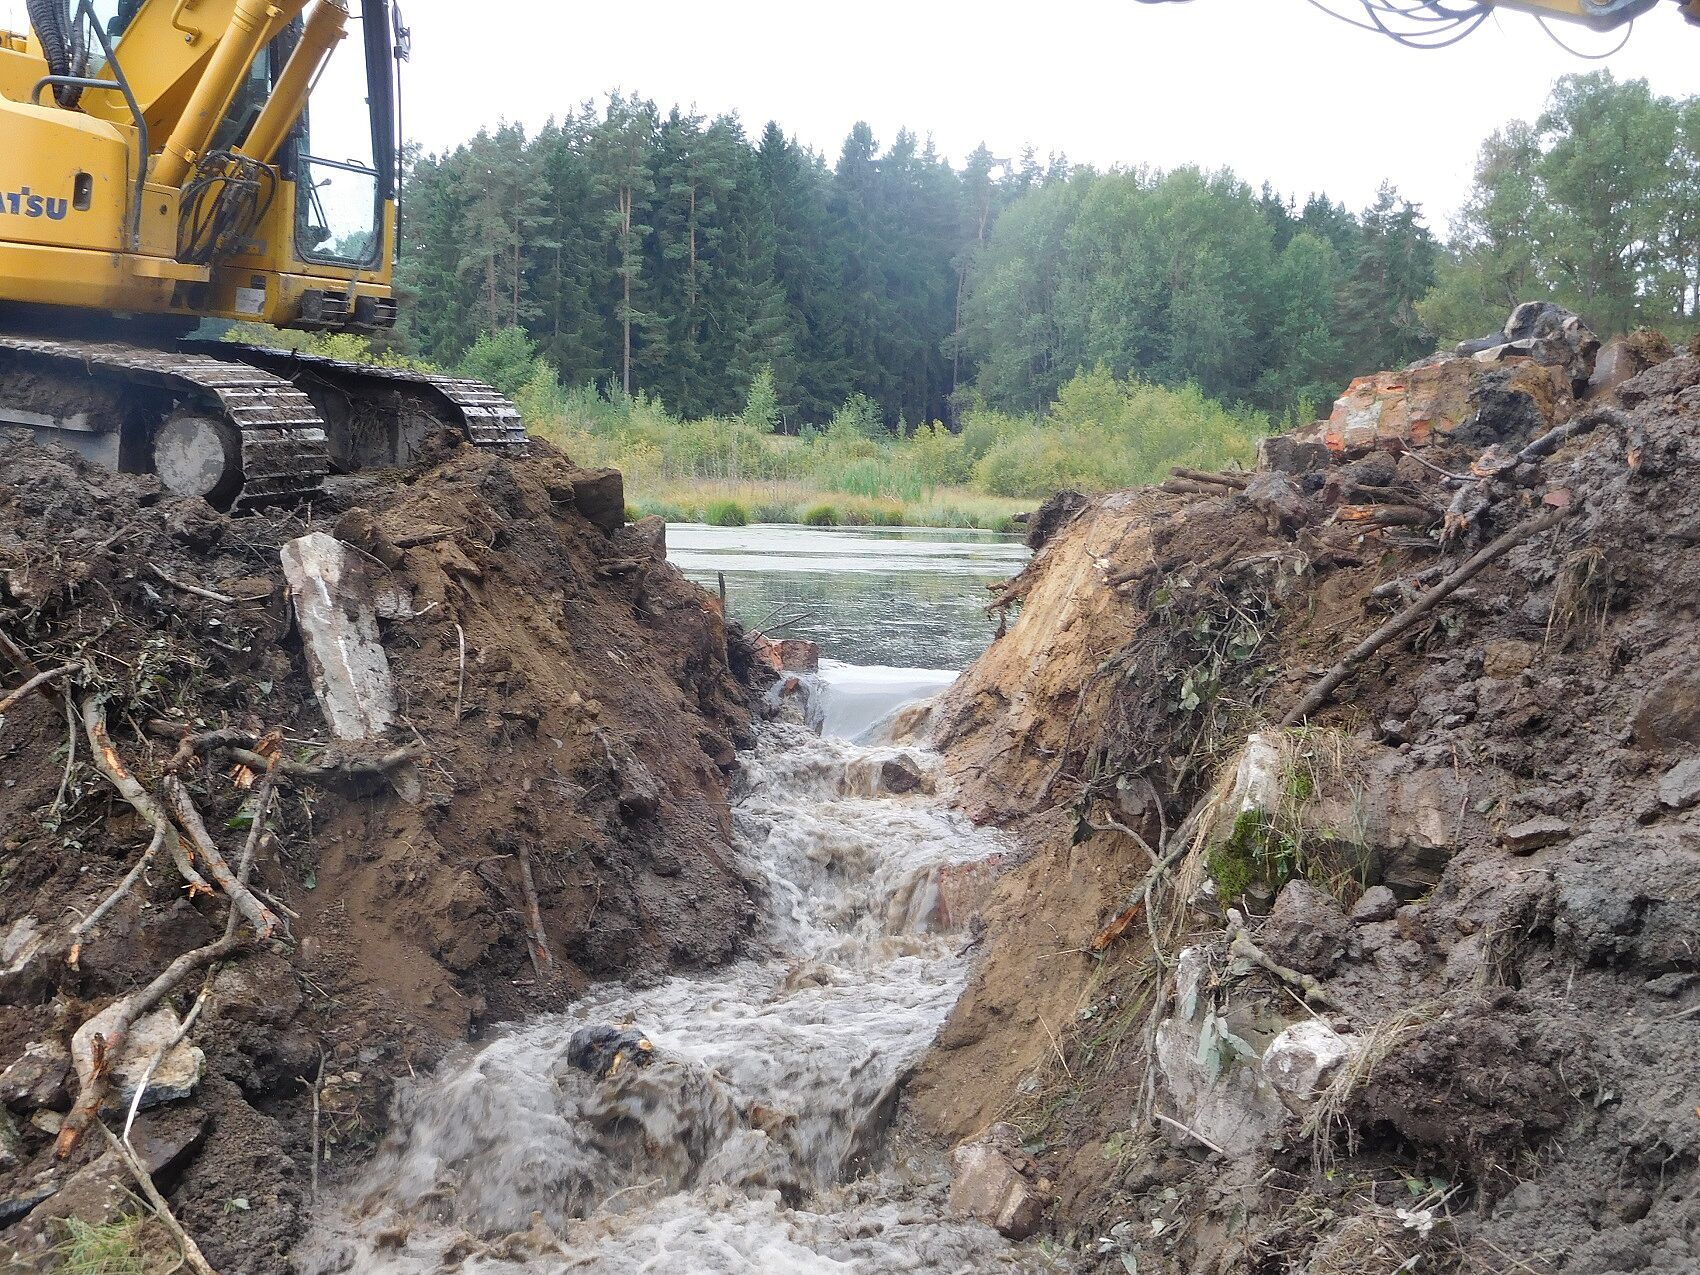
{"x":223,"y":205}
{"x":61,"y":44}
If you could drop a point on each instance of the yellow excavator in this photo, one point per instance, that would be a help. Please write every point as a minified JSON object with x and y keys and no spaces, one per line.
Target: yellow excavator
{"x":167,"y":162}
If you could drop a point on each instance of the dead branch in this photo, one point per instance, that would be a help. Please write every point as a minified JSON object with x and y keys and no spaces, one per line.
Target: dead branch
{"x":15,"y":653}
{"x":1582,"y":423}
{"x":460,"y":685}
{"x":93,"y":1093}
{"x":162,"y":830}
{"x":192,"y":1255}
{"x":108,"y":762}
{"x":1191,"y":487}
{"x":1313,"y":991}
{"x":240,"y":746}
{"x":1139,"y":899}
{"x":1407,"y":619}
{"x":194,"y":590}
{"x":621,"y":567}
{"x":70,"y":755}
{"x":1236,"y":481}
{"x":425,"y":536}
{"x":1386,"y":515}
{"x":541,"y":960}
{"x":39,"y":682}
{"x":182,"y":806}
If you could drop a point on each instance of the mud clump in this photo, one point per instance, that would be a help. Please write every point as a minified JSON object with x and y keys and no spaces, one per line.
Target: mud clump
{"x":1280,"y":763}
{"x":565,"y":717}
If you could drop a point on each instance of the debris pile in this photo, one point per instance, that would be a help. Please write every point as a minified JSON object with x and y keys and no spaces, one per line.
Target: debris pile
{"x":291,"y":803}
{"x":1359,"y":927}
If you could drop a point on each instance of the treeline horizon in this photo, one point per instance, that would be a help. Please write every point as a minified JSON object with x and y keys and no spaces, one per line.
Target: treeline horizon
{"x":672,"y":256}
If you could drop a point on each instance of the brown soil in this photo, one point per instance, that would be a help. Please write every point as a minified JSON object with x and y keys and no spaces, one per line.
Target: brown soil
{"x":1528,"y":999}
{"x":593,"y":727}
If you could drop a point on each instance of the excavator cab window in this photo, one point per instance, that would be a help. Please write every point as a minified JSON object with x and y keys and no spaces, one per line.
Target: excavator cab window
{"x":344,"y":163}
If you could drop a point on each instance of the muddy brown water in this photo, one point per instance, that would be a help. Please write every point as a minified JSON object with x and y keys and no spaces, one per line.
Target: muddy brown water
{"x":757,"y":1139}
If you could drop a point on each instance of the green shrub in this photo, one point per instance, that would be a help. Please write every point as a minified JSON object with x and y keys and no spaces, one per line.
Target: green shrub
{"x":726,"y":513}
{"x":820,"y":516}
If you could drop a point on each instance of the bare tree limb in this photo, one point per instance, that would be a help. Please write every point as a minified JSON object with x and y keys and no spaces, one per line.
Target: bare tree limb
{"x":182,"y":806}
{"x":36,"y":683}
{"x":186,"y":587}
{"x":1313,"y":991}
{"x":541,"y":960}
{"x":1407,"y":619}
{"x":192,"y":1254}
{"x":162,"y":830}
{"x":1236,"y":481}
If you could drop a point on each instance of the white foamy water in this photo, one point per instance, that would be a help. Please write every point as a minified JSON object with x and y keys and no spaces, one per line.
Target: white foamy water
{"x":754,"y":1142}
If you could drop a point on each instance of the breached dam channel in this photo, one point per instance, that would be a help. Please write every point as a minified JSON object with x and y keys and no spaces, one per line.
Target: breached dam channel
{"x":755,"y":1137}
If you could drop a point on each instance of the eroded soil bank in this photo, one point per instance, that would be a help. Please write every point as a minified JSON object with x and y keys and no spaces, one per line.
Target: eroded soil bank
{"x":1417,"y":985}
{"x":573,"y":709}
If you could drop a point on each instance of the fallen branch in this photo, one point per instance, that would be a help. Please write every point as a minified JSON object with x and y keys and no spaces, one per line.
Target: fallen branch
{"x":192,"y":589}
{"x":108,"y":762}
{"x":36,"y":683}
{"x":541,"y":960}
{"x":431,"y":536}
{"x":1236,"y":481}
{"x":1308,"y":987}
{"x":15,"y":653}
{"x":93,"y":1093}
{"x":241,"y":746}
{"x":460,"y":685}
{"x":1582,"y":423}
{"x":1386,"y":515}
{"x":1407,"y":619}
{"x":182,"y":806}
{"x":192,"y":1255}
{"x":162,"y":830}
{"x":1194,"y":1134}
{"x":70,"y":755}
{"x":1140,"y":898}
{"x":1190,"y":487}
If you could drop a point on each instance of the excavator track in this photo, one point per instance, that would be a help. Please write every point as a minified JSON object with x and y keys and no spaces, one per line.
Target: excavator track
{"x":284,"y":452}
{"x":395,"y":405}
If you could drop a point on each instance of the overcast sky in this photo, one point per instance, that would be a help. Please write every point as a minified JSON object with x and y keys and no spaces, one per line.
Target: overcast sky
{"x":1271,"y":88}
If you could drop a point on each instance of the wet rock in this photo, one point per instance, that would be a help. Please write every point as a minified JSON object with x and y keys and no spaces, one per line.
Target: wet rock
{"x":11,"y":1141}
{"x":1535,"y":834}
{"x":600,"y":495}
{"x":1625,"y":900}
{"x":1302,"y":1059}
{"x":1377,"y":904}
{"x":346,"y":660}
{"x":647,"y":537}
{"x":177,"y":1076}
{"x":600,"y":1050}
{"x":1680,"y":787}
{"x":989,"y":1188}
{"x":1294,"y":454}
{"x":788,"y":655}
{"x":1306,"y":929}
{"x":1669,"y":713}
{"x":38,"y":1079}
{"x":900,"y":774}
{"x":1667,"y":380}
{"x":1278,"y":498}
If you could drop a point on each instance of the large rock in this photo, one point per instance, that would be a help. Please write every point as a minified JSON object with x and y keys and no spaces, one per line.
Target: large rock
{"x":1669,"y":714}
{"x":1680,"y":787}
{"x":38,"y":1079}
{"x":179,"y":1071}
{"x":600,"y":495}
{"x":1307,"y":929}
{"x":335,"y":608}
{"x":989,"y":1188}
{"x":1302,"y":1059}
{"x":1627,"y":357}
{"x":1208,"y":1071}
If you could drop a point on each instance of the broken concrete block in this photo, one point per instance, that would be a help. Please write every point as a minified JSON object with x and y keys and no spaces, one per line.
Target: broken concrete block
{"x":38,"y":1079}
{"x":1680,"y":788}
{"x":176,"y":1077}
{"x":990,"y":1189}
{"x":346,"y":661}
{"x":1302,"y":1059}
{"x":1535,"y":834}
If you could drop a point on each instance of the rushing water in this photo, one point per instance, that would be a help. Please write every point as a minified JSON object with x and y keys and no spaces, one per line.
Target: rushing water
{"x":754,"y":1140}
{"x":904,"y":597}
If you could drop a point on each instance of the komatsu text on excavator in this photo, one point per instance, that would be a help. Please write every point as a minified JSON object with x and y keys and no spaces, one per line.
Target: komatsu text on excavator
{"x":160,"y":166}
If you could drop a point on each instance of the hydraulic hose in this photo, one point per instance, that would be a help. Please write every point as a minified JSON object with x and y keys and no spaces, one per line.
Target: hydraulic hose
{"x":61,"y":45}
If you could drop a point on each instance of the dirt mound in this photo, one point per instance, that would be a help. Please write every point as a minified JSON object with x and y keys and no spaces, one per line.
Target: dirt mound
{"x":1362,"y":799}
{"x":550,"y":806}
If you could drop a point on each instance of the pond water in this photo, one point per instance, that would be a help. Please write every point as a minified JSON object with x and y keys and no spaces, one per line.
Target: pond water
{"x":901,"y":598}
